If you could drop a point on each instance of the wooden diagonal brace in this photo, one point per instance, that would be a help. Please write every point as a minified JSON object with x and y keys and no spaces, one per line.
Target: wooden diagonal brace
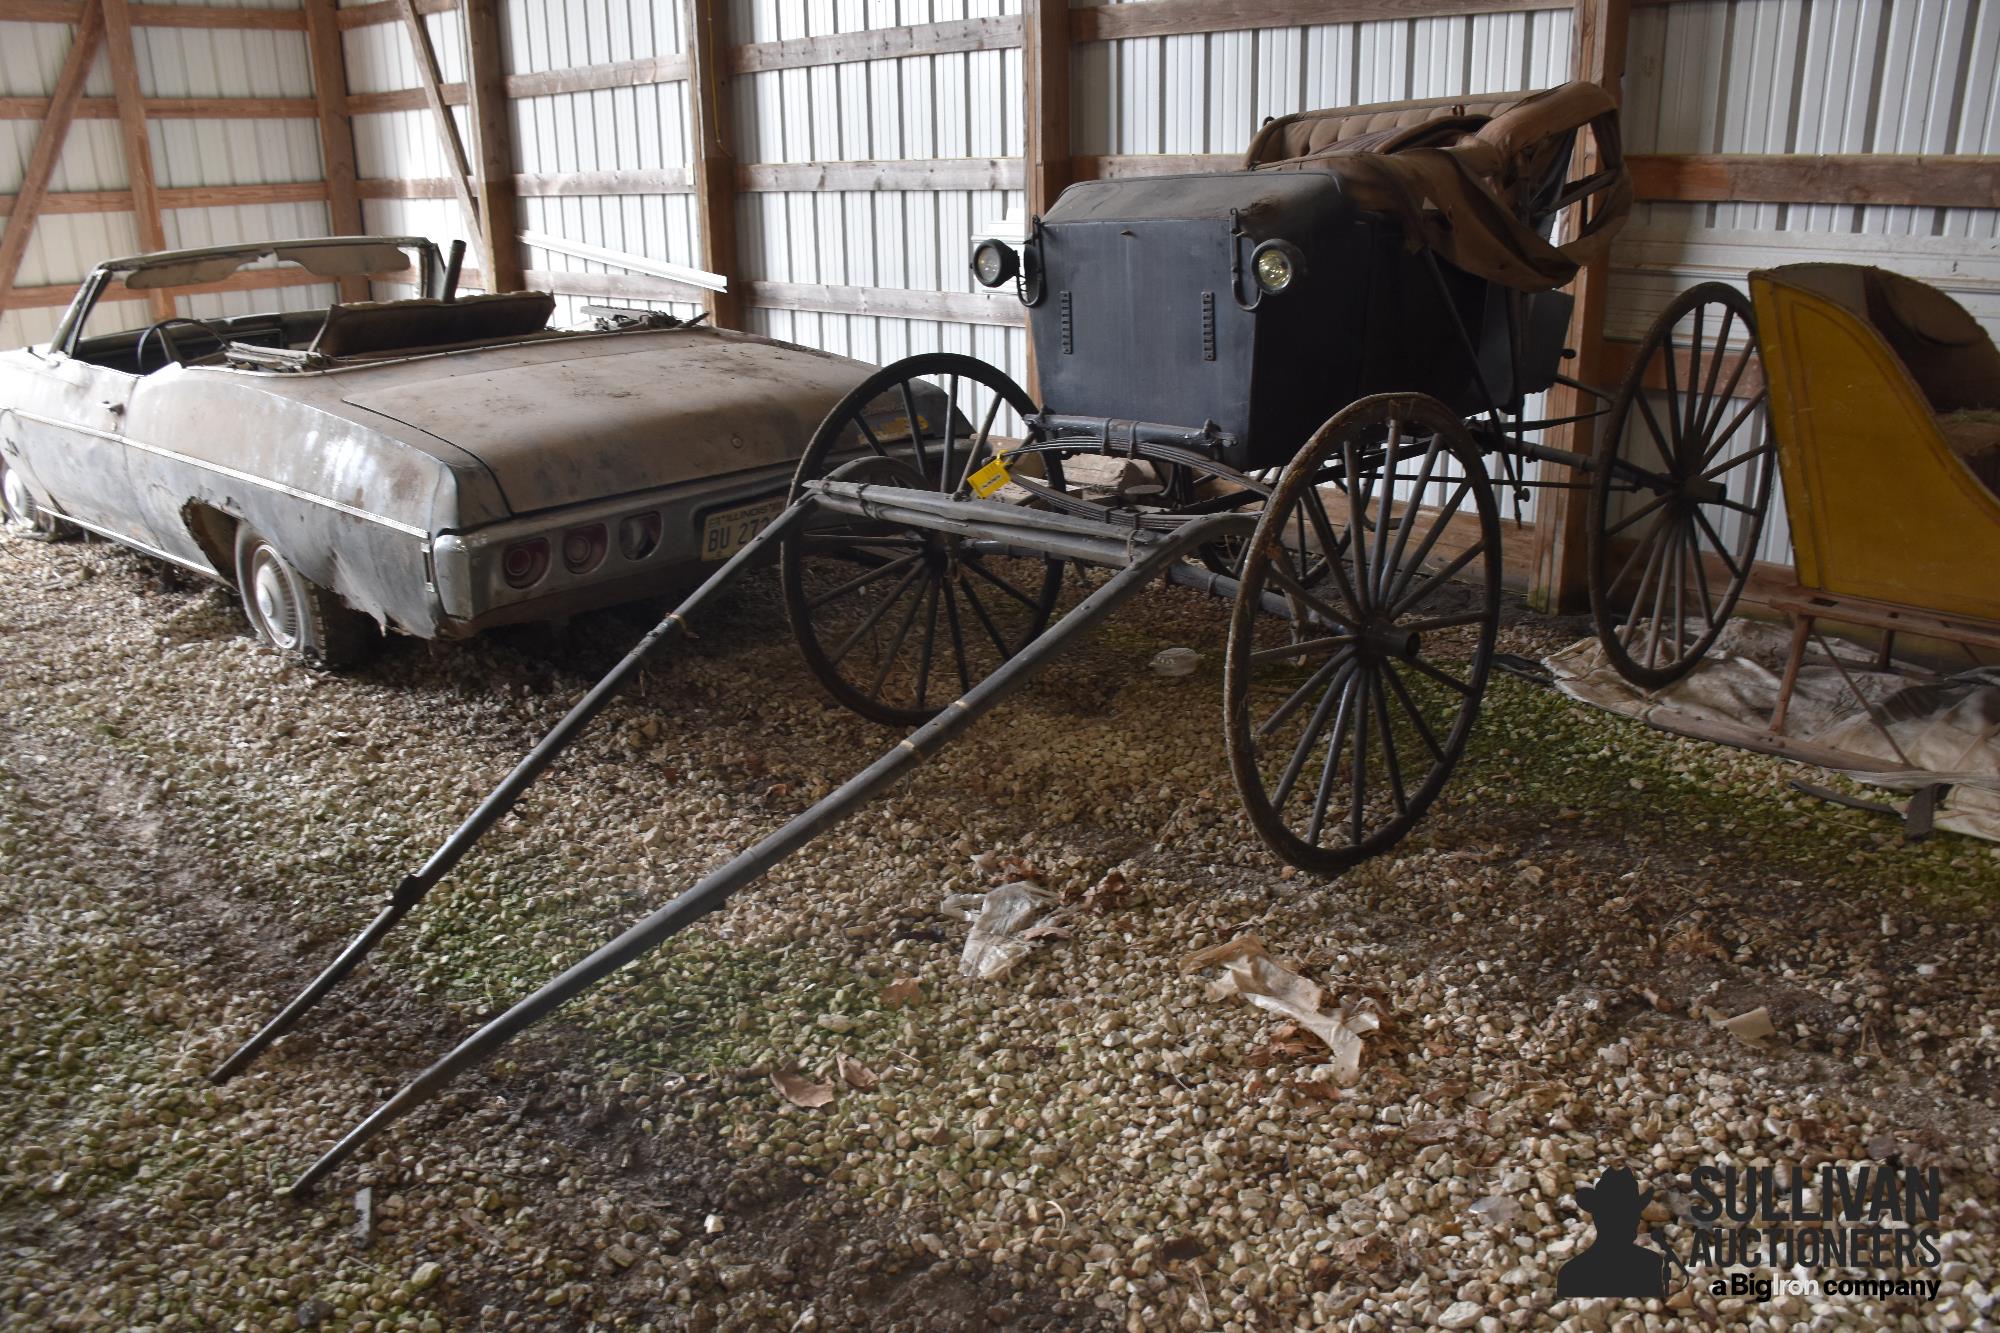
{"x":48,"y":145}
{"x":457,"y":168}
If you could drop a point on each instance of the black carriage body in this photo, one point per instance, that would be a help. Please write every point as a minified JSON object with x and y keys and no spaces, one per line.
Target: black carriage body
{"x":1147,"y":310}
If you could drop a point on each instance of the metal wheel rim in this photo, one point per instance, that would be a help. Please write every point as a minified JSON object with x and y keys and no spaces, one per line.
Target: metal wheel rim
{"x":931,"y":615}
{"x":14,"y":497}
{"x":1678,"y":534}
{"x":1348,"y":688}
{"x":273,"y":598}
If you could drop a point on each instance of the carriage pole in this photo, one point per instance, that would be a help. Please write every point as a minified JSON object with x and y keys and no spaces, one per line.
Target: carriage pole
{"x":1147,"y":554}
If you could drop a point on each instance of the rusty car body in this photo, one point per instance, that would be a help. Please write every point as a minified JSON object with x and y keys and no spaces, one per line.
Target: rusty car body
{"x":434,"y":466}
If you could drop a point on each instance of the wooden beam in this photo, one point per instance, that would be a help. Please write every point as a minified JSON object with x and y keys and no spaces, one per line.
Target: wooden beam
{"x":1944,"y":181}
{"x":596,"y":78}
{"x":48,"y":145}
{"x":666,"y":180}
{"x":159,"y":16}
{"x":1168,"y":18}
{"x":945,"y":173}
{"x":923,"y":39}
{"x":403,"y":99}
{"x":191,"y":196}
{"x":431,"y":88}
{"x":170,"y":108}
{"x":889,"y":302}
{"x":493,"y":146}
{"x":1045,"y":62}
{"x":389,"y":11}
{"x":336,"y":130}
{"x":1121,"y":166}
{"x":1562,"y":539}
{"x":706,"y":24}
{"x":1048,"y":163}
{"x":137,"y":142}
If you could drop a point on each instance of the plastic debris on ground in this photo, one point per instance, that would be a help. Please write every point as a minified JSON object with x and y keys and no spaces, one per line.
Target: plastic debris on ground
{"x":1001,"y":932}
{"x":1248,"y":971}
{"x":1175,"y":662}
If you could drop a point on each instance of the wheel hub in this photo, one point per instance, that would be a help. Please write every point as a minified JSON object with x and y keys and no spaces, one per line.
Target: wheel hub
{"x":274,"y":602}
{"x":1384,"y":638}
{"x":14,"y":492}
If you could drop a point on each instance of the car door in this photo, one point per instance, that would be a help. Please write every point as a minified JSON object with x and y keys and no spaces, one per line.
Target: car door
{"x":67,"y":435}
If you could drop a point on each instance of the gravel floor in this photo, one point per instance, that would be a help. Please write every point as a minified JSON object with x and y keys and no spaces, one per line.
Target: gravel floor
{"x":188,"y":827}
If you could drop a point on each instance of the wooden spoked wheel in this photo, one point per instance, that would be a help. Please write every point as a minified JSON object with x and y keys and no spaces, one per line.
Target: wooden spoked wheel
{"x":1344,"y":723}
{"x":896,"y":621}
{"x":1681,"y":480}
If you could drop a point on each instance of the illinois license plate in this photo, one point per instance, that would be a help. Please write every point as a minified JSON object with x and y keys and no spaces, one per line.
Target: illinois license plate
{"x":727,"y":531}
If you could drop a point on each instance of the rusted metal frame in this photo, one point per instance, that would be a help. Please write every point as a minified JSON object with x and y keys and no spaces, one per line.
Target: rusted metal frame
{"x":504,"y":797}
{"x":1560,"y":576}
{"x":41,"y":164}
{"x":138,"y":143}
{"x":1143,"y":556}
{"x":432,"y":86}
{"x":336,"y":131}
{"x":493,"y":145}
{"x":705,"y":23}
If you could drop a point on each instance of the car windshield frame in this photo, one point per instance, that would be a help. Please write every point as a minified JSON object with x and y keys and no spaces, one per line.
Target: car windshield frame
{"x":430,"y":265}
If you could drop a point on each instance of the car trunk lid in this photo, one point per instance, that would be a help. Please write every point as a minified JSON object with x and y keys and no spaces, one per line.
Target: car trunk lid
{"x":619,"y":417}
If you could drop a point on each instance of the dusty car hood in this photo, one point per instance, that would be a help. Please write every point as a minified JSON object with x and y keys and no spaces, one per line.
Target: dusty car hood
{"x":625,"y":414}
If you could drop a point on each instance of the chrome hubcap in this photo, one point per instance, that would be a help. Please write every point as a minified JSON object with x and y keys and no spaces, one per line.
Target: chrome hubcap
{"x":272,"y":594}
{"x":14,"y":492}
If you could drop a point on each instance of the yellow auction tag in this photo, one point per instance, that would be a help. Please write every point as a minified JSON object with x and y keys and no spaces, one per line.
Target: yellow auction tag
{"x":990,"y":478}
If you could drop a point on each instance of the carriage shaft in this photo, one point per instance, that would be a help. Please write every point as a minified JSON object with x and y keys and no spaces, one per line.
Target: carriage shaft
{"x":715,"y":888}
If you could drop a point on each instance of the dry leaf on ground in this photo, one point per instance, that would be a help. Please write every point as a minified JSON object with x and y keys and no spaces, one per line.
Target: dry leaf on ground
{"x":1250,"y":972}
{"x":855,"y":1074}
{"x":802,"y":1091}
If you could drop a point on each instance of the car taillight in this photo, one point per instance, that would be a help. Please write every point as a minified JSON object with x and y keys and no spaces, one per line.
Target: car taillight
{"x":583,"y":548}
{"x":524,"y":563}
{"x":638,"y":536}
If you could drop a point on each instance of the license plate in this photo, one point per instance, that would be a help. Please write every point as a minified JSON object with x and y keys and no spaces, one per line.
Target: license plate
{"x":727,"y":531}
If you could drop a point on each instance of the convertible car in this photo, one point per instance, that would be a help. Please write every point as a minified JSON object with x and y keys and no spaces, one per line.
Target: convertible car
{"x":434,"y":466}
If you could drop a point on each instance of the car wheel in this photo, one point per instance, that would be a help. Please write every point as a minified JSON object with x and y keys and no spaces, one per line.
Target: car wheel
{"x":292,"y":613}
{"x":19,"y":513}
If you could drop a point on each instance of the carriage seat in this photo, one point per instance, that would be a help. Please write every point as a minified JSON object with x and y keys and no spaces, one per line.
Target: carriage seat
{"x":1949,"y":357}
{"x":1382,"y":127}
{"x":1478,"y":180}
{"x":359,"y":328}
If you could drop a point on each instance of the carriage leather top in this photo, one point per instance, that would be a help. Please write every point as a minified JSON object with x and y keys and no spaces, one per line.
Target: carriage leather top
{"x":1451,"y":171}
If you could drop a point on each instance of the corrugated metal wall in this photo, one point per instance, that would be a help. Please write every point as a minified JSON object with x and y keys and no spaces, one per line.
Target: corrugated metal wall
{"x":172,"y":62}
{"x":961,"y":104}
{"x":1208,"y":92}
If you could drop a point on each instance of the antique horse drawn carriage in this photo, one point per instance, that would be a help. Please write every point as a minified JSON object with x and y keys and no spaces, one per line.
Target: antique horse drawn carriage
{"x":1298,"y":371}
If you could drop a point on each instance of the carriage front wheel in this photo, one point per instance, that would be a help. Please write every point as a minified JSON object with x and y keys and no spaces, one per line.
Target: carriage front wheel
{"x":1344,"y":724}
{"x":1680,"y":482}
{"x":898,"y":621}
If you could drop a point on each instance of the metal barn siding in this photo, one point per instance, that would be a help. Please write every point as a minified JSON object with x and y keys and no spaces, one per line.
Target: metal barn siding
{"x":643,"y":128}
{"x":190,"y":152}
{"x":956,"y":105}
{"x":404,"y":145}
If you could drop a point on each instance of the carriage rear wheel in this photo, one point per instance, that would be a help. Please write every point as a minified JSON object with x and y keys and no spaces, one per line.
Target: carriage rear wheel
{"x":1681,"y":481}
{"x":1343,"y":725}
{"x":896,"y":622}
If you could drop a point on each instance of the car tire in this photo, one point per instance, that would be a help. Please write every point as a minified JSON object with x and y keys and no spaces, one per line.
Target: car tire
{"x":19,"y":513}
{"x":292,"y":613}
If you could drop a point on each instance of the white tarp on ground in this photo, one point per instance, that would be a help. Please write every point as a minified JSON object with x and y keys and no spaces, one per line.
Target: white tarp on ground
{"x":1947,"y":731}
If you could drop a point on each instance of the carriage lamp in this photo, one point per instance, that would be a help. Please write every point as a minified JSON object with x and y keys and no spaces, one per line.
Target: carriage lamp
{"x":1277,"y":265}
{"x":524,"y":563}
{"x":583,"y":548}
{"x":994,"y":263}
